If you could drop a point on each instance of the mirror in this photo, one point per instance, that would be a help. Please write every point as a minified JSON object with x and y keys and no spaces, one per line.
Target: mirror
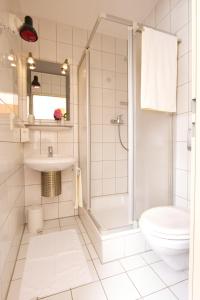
{"x":48,"y":90}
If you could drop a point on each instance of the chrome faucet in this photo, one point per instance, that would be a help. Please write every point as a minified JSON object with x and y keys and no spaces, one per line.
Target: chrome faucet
{"x":117,"y":121}
{"x":50,"y":151}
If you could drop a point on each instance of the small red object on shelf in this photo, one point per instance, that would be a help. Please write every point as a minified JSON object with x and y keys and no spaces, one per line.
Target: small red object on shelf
{"x":58,"y":114}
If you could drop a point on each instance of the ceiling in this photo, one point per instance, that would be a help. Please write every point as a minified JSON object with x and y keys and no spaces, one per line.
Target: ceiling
{"x":83,"y":13}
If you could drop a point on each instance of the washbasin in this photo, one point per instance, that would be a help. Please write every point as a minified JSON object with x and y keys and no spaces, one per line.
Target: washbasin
{"x":44,"y":163}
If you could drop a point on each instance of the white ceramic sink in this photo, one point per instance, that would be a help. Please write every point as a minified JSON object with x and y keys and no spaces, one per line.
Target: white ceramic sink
{"x":44,"y":163}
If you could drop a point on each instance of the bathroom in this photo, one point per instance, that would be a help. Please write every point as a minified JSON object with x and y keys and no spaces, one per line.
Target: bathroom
{"x":92,"y":176}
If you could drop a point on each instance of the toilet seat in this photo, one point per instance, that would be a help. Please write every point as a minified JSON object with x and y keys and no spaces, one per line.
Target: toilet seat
{"x":170,"y":223}
{"x":166,"y":229}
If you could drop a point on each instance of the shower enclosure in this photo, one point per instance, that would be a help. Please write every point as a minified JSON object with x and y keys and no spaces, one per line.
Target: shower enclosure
{"x":125,"y":153}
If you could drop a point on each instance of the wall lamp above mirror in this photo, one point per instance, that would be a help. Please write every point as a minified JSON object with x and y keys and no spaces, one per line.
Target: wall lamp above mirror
{"x":48,"y":89}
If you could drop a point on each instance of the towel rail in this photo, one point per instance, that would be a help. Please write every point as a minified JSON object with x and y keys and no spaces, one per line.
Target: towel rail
{"x":141,"y":27}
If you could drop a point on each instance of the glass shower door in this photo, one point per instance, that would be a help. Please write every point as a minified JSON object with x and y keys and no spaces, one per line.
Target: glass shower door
{"x":108,"y":124}
{"x":84,"y":134}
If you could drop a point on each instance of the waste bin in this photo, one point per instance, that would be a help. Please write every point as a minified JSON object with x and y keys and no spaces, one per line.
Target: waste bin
{"x":35,"y":219}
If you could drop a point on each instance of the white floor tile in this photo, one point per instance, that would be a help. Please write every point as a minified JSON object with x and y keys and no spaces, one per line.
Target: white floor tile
{"x":22,"y":251}
{"x":67,"y":221}
{"x":19,"y":269}
{"x":26,"y":229}
{"x":93,"y":272}
{"x":81,"y":239}
{"x":93,"y":291}
{"x":86,"y":238}
{"x":14,"y":290}
{"x":120,"y":288}
{"x":86,"y":252}
{"x":50,"y":230}
{"x":80,"y":225}
{"x":162,"y":295}
{"x":51,"y":224}
{"x":168,"y":275}
{"x":92,"y":251}
{"x":132,"y":262}
{"x":146,"y":281}
{"x":181,"y":290}
{"x":26,"y":238}
{"x":116,"y":284}
{"x":60,"y":296}
{"x":108,"y":269}
{"x":72,"y":226}
{"x":150,"y":257}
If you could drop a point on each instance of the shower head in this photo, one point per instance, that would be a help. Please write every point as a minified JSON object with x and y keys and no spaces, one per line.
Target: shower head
{"x":27,"y":31}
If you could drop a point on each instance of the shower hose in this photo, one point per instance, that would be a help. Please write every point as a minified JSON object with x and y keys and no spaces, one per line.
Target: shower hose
{"x":120,"y":139}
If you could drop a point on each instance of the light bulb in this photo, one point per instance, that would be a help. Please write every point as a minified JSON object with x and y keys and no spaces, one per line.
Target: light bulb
{"x":11,"y":56}
{"x":30,"y":59}
{"x":32,"y":67}
{"x":65,"y":65}
{"x":13,"y":64}
{"x":63,"y":71}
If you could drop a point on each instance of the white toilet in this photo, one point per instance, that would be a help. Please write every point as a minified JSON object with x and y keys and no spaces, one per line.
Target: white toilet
{"x":167,"y":231}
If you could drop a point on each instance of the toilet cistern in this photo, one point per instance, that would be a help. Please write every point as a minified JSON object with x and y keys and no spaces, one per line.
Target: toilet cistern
{"x":50,"y":151}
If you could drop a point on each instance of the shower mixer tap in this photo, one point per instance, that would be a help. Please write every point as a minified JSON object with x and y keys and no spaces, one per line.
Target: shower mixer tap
{"x":118,"y":120}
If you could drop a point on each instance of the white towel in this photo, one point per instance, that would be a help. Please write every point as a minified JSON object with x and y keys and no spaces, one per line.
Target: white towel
{"x":78,"y":188}
{"x":159,"y":71}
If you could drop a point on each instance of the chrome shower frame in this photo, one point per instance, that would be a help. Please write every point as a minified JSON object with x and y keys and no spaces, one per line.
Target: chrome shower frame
{"x":130,"y":31}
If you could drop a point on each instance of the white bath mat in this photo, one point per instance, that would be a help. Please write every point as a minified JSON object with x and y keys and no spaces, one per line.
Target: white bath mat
{"x":55,"y":262}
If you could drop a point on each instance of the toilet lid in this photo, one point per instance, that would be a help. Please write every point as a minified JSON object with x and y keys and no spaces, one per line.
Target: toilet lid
{"x":166,"y":221}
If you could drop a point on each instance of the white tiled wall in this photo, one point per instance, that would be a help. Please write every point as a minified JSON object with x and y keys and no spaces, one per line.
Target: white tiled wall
{"x":108,"y":87}
{"x":11,"y":168}
{"x":56,"y":43}
{"x":175,"y":17}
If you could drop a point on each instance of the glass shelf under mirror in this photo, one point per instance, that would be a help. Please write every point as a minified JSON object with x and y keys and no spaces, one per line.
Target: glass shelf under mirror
{"x":49,"y":124}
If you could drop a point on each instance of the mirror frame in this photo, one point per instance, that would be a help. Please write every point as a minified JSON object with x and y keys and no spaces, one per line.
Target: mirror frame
{"x":47,"y":67}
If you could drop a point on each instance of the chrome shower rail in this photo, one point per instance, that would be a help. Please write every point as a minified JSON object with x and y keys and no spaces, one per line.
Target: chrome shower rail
{"x":110,"y":18}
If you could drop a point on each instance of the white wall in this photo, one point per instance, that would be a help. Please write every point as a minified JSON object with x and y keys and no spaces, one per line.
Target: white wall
{"x":175,"y":16}
{"x":11,"y":167}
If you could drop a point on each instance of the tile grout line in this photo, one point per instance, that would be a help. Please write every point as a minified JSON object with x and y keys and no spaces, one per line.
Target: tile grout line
{"x":95,"y":270}
{"x":15,"y":263}
{"x":133,"y":285}
{"x":167,"y":286}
